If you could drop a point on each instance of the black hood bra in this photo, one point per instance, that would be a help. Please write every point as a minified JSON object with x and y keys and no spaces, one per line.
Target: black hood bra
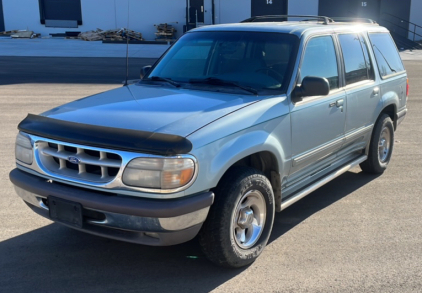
{"x":106,"y":137}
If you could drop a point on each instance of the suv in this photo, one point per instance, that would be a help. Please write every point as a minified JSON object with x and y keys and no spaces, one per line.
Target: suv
{"x":233,"y":123}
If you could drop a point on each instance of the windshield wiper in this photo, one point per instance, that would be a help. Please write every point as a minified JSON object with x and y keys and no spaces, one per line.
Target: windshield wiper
{"x":218,"y":81}
{"x":159,"y":78}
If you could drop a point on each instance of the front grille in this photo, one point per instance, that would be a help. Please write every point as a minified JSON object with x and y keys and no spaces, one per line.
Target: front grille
{"x":79,"y":162}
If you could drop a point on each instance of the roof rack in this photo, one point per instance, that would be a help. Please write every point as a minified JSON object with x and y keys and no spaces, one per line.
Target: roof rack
{"x":325,"y":19}
{"x":354,"y":19}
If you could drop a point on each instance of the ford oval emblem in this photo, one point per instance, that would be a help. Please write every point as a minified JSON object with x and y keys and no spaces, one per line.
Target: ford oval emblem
{"x":74,"y":160}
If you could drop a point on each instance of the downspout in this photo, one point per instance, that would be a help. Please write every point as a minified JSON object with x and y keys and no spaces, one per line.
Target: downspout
{"x":213,"y":11}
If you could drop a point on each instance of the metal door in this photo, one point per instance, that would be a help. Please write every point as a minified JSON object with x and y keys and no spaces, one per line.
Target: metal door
{"x":1,"y":17}
{"x":198,"y":7}
{"x":268,"y":7}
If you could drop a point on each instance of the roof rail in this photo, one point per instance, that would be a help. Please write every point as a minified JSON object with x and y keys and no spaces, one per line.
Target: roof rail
{"x":354,"y":19}
{"x":325,"y":19}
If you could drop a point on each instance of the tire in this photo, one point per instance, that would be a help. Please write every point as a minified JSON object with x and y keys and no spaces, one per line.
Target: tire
{"x":228,"y":238}
{"x":380,"y":147}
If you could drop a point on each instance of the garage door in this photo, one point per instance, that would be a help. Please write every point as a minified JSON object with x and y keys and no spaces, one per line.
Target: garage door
{"x":352,"y":8}
{"x":268,"y":7}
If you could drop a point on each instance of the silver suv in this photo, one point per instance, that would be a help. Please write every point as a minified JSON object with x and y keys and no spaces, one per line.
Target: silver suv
{"x":233,"y":123}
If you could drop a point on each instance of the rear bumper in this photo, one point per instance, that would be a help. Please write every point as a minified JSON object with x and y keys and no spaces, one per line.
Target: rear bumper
{"x":400,"y":116}
{"x":138,"y":220}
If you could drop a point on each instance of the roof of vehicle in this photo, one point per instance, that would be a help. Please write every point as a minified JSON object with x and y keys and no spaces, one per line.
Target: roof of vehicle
{"x":295,"y":27}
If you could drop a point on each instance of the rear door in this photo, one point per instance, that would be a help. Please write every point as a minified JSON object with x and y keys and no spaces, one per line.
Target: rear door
{"x":362,"y":90}
{"x":318,"y":122}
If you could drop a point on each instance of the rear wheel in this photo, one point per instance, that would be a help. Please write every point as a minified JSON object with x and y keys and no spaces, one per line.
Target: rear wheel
{"x":381,"y":146}
{"x":240,"y":221}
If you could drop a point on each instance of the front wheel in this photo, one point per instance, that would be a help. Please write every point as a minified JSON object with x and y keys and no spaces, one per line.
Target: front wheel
{"x":380,"y":147}
{"x":240,"y":221}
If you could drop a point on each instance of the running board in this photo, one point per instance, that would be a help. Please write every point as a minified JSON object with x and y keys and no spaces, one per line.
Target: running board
{"x":321,"y":182}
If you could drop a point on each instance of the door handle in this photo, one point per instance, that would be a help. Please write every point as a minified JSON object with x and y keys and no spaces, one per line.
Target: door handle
{"x":338,"y":104}
{"x":376,"y":91}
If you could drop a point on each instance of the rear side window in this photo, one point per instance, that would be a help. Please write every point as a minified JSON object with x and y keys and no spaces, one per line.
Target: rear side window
{"x":369,"y":64}
{"x":386,"y":54}
{"x":356,"y":62}
{"x":320,"y":60}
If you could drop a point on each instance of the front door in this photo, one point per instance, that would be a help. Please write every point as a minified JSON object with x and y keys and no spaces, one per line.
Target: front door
{"x":268,"y":7}
{"x":317,"y":122}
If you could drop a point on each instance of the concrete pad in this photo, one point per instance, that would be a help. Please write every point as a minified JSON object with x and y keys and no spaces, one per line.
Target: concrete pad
{"x":409,"y":55}
{"x":76,"y":48}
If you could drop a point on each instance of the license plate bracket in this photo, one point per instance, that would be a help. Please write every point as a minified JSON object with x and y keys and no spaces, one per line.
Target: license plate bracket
{"x":65,"y":211}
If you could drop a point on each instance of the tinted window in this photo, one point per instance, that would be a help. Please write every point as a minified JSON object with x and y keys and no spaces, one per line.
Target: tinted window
{"x":320,"y":60}
{"x":354,"y":61}
{"x":388,"y":59}
{"x":263,"y":61}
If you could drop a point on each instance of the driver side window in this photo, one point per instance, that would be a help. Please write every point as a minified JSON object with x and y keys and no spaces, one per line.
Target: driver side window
{"x":320,"y":60}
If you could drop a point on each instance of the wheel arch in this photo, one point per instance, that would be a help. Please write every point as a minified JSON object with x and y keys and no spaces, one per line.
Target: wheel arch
{"x":264,"y":153}
{"x":390,"y":110}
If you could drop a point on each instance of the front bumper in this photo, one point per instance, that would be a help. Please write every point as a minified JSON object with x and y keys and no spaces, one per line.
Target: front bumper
{"x":138,"y":220}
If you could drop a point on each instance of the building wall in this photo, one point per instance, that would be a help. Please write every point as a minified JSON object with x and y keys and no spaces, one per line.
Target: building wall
{"x":416,"y":17}
{"x":143,"y":14}
{"x":232,"y":11}
{"x":303,"y":7}
{"x":109,"y":14}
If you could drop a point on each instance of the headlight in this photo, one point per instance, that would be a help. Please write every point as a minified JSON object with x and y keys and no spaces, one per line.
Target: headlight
{"x":23,"y":149}
{"x":159,"y":173}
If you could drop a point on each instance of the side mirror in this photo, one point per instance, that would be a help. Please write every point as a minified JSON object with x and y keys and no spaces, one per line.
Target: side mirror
{"x":145,"y":70}
{"x":311,"y":86}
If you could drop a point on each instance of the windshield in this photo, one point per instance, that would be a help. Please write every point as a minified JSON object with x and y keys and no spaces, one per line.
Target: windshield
{"x":249,"y":60}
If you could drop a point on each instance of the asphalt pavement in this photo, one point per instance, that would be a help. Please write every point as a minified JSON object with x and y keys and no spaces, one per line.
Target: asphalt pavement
{"x":359,"y":233}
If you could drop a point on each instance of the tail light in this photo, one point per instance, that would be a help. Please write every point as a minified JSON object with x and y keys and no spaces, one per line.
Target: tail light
{"x":407,"y":88}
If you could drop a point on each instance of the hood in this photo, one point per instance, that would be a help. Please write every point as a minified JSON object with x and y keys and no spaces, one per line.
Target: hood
{"x":152,"y":108}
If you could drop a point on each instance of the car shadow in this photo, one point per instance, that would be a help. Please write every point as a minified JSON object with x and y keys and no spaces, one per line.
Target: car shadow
{"x":58,"y":259}
{"x":318,"y":200}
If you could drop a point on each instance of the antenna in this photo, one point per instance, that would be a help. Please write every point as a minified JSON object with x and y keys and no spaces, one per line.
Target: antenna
{"x":127,"y":45}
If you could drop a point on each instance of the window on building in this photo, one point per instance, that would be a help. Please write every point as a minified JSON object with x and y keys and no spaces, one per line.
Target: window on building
{"x":320,"y":60}
{"x":60,"y":13}
{"x":355,"y":63}
{"x":386,"y":54}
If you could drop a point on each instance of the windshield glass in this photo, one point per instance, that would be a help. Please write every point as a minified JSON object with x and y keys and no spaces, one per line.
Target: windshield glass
{"x":258,"y":60}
